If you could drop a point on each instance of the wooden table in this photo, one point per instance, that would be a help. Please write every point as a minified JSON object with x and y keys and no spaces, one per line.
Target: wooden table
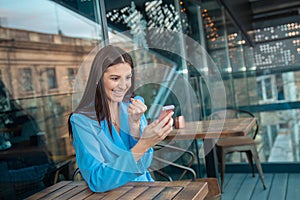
{"x":133,"y":190}
{"x":209,"y":131}
{"x":212,"y":129}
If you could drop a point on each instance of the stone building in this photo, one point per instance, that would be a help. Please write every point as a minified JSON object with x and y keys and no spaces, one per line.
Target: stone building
{"x":38,"y":71}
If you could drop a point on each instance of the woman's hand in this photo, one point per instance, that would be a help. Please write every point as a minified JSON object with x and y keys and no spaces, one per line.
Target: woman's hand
{"x":135,"y":111}
{"x":157,"y":131}
{"x":152,"y":135}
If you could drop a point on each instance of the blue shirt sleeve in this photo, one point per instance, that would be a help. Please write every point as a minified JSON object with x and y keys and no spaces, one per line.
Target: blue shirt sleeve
{"x":103,"y":163}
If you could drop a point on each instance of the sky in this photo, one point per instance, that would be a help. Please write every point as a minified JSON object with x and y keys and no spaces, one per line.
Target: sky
{"x":47,"y":17}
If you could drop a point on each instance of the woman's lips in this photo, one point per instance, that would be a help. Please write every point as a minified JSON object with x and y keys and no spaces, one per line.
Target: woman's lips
{"x":119,"y":93}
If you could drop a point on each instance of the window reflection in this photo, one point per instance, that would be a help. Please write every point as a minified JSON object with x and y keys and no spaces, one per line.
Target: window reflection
{"x":43,"y":44}
{"x":51,"y":77}
{"x":26,"y":80}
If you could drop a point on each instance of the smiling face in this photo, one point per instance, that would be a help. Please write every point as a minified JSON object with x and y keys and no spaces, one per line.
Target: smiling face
{"x":117,"y":81}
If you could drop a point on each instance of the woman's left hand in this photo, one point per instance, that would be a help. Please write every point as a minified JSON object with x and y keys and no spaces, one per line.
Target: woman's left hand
{"x":135,"y":111}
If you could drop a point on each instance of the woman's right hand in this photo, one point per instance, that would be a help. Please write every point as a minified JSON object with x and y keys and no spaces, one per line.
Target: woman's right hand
{"x":157,"y":131}
{"x":152,"y":135}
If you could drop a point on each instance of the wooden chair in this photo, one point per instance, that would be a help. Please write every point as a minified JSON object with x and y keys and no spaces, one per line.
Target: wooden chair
{"x":238,"y":144}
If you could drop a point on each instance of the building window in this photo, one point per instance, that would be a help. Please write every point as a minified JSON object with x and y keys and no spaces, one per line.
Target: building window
{"x":72,"y":73}
{"x":266,"y":88}
{"x":51,"y":77}
{"x":71,"y":77}
{"x":26,"y":80}
{"x":280,"y":89}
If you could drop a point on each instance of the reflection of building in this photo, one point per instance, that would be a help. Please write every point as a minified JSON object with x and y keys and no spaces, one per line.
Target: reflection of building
{"x":38,"y":70}
{"x":35,"y":57}
{"x":280,"y":128}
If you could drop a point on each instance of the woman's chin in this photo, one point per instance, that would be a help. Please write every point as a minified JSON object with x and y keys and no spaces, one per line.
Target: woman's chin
{"x":118,"y":98}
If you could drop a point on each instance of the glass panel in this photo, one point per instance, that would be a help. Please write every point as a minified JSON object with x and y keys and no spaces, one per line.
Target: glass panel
{"x":262,"y":79}
{"x":278,"y":46}
{"x":279,"y":136}
{"x":43,"y":43}
{"x":241,"y":92}
{"x":153,"y":52}
{"x":277,"y":140}
{"x":216,"y":35}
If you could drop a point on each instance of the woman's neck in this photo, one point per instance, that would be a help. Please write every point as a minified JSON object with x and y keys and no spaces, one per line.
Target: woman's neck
{"x":113,"y":107}
{"x":114,"y":114}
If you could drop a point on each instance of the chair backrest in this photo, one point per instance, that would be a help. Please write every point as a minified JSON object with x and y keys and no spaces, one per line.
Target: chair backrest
{"x":236,"y":113}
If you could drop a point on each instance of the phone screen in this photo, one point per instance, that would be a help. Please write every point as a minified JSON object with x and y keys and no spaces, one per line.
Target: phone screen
{"x":165,"y":111}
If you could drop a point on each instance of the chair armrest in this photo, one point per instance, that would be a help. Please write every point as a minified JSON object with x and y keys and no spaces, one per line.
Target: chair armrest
{"x":192,"y":155}
{"x":186,"y":169}
{"x":163,"y":174}
{"x":59,"y":167}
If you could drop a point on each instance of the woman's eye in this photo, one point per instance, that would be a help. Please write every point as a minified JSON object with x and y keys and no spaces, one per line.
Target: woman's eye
{"x":129,"y":77}
{"x":114,"y":78}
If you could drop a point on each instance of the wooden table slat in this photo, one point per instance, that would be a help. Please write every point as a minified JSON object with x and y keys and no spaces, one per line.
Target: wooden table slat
{"x":150,"y":193}
{"x":59,"y":192}
{"x":83,"y":194}
{"x":96,"y":196}
{"x":160,"y":183}
{"x":133,"y":193}
{"x":168,"y":193}
{"x":192,"y":191}
{"x":48,"y":190}
{"x":115,"y":194}
{"x":71,"y":193}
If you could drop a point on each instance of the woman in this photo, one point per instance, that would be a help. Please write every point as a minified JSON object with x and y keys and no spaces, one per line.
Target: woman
{"x":112,"y":140}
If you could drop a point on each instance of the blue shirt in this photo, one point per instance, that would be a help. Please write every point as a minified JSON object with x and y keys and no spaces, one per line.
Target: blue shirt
{"x":107,"y":162}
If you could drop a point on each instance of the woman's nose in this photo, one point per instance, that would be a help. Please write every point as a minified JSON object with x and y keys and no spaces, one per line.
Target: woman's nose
{"x":122,"y":84}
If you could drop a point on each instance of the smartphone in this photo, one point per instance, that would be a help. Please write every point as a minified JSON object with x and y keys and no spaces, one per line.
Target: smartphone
{"x":165,"y":111}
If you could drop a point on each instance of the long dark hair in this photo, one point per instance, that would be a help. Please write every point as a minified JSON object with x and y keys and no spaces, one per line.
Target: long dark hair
{"x":108,"y":56}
